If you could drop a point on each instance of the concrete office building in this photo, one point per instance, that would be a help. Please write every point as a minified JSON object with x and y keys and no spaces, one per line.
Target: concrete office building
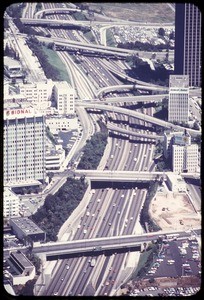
{"x":38,"y":92}
{"x":24,"y":146}
{"x":179,"y":150}
{"x":188,"y":42}
{"x":24,"y":227}
{"x":178,"y":107}
{"x":64,"y":96}
{"x":185,"y":158}
{"x":11,"y":203}
{"x":184,"y":154}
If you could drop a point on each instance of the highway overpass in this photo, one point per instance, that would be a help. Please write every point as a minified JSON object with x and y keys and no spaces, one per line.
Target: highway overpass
{"x":130,"y":86}
{"x":138,"y":115}
{"x":103,"y":243}
{"x":128,"y":99}
{"x":43,"y":12}
{"x":120,"y":176}
{"x":54,"y":22}
{"x":129,"y":132}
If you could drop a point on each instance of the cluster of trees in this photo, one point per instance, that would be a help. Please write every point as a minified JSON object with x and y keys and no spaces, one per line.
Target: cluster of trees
{"x":93,"y":151}
{"x":15,"y":10}
{"x":27,"y":190}
{"x":152,"y":252}
{"x":137,"y":45}
{"x":50,"y":71}
{"x":144,"y":215}
{"x":57,"y":208}
{"x":141,"y":70}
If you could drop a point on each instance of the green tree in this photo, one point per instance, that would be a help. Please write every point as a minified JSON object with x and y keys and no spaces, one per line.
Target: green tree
{"x":161,"y":32}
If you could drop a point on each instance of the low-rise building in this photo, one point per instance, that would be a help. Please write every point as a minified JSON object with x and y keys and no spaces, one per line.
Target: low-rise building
{"x":54,"y":158}
{"x":176,"y":182}
{"x":25,"y":229}
{"x":11,"y":203}
{"x":12,"y":67}
{"x":59,"y":123}
{"x":22,"y":270}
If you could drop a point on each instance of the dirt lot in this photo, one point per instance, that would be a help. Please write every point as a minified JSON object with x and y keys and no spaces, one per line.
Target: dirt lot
{"x":174,"y":211}
{"x":145,"y":12}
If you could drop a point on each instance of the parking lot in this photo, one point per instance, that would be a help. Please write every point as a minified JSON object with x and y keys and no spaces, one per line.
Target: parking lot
{"x":177,"y":258}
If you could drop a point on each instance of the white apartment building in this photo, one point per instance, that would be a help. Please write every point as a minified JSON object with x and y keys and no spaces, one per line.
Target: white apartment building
{"x":24,"y":146}
{"x":59,"y":123}
{"x":64,"y":96}
{"x":178,"y":107}
{"x":38,"y":92}
{"x":11,"y":203}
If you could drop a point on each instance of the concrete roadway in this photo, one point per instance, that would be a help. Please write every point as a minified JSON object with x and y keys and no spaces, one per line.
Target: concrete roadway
{"x":138,"y":115}
{"x":110,"y":242}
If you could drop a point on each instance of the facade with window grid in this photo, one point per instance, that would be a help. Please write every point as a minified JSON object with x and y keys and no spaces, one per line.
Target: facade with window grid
{"x":24,"y":146}
{"x":188,"y":42}
{"x":178,"y":106}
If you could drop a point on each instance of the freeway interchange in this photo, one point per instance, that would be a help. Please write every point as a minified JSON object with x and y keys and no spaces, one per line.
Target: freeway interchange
{"x":105,"y":216}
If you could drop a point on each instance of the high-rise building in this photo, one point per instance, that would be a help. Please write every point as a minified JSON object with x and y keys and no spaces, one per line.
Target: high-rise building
{"x":24,"y":146}
{"x":188,"y":42}
{"x":64,"y":96}
{"x":178,"y":107}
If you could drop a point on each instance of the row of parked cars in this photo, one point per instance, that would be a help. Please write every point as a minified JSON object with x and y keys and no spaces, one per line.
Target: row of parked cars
{"x":181,"y":291}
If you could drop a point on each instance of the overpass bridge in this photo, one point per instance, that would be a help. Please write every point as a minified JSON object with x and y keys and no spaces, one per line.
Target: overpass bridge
{"x":131,"y":86}
{"x":102,"y":244}
{"x":114,"y":22}
{"x":128,"y":132}
{"x":128,"y":99}
{"x":43,"y":12}
{"x":120,"y":176}
{"x":138,"y":115}
{"x":64,"y":44}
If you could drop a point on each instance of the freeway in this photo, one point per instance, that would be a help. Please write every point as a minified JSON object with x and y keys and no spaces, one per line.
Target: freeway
{"x":139,"y":115}
{"x":104,"y":243}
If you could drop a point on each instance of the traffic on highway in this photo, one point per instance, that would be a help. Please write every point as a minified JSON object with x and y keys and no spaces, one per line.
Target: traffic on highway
{"x":108,"y":218}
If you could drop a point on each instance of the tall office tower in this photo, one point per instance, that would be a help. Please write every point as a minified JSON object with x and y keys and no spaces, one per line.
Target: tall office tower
{"x":178,"y":107}
{"x":188,"y":42}
{"x":24,"y":146}
{"x":64,"y":96}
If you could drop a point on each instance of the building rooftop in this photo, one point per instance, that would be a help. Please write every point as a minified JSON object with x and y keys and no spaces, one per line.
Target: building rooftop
{"x":26,"y":225}
{"x":12,"y":63}
{"x":19,"y":256}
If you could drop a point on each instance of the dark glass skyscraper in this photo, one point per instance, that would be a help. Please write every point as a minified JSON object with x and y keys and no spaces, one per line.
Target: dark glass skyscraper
{"x":188,"y":42}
